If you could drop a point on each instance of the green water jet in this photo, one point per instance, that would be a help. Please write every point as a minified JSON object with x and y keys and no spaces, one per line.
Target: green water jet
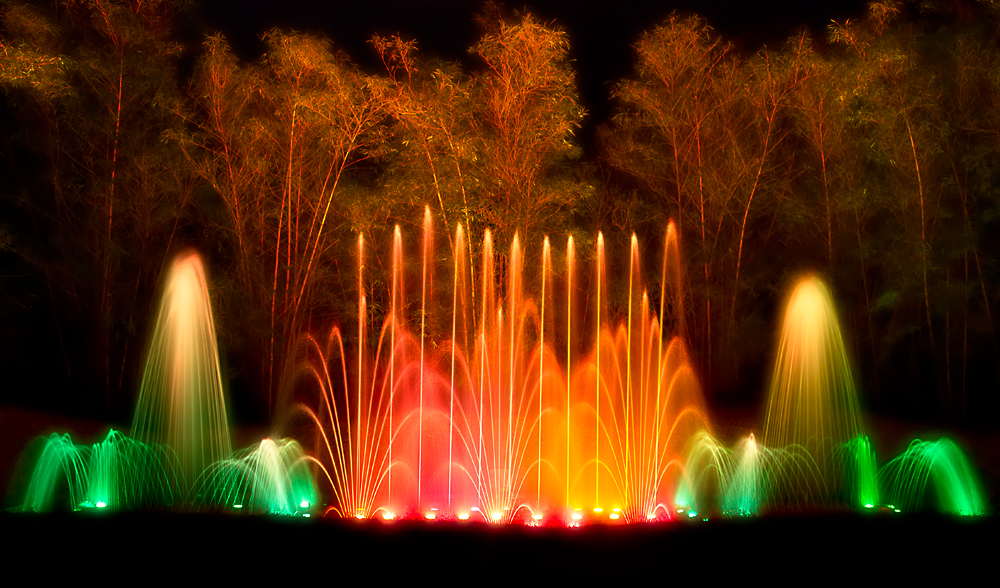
{"x":955,"y":482}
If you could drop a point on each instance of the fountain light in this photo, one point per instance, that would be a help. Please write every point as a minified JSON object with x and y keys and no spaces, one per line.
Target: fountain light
{"x":181,"y":402}
{"x":499,"y":379}
{"x":180,"y":429}
{"x":642,"y":379}
{"x":942,"y":464}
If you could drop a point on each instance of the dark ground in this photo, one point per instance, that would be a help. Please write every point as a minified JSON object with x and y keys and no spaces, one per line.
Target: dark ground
{"x":802,"y":550}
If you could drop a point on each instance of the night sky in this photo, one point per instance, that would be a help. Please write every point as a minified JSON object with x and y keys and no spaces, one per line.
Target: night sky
{"x":601,"y":33}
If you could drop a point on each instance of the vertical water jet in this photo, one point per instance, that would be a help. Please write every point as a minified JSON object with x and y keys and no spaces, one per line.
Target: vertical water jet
{"x":181,"y":402}
{"x":397,"y":269}
{"x":597,"y":378}
{"x":546,"y":263}
{"x":428,"y":235}
{"x":812,"y":404}
{"x":569,"y":352}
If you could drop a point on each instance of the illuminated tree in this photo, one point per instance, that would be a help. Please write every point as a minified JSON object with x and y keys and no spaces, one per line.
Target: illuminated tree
{"x":492,"y":149}
{"x":278,"y":141}
{"x":969,"y":106}
{"x":704,"y":131}
{"x":436,"y":149}
{"x":897,"y":124}
{"x":772,"y":81}
{"x":97,"y":74}
{"x":525,"y":118}
{"x":670,"y":133}
{"x":820,"y":114}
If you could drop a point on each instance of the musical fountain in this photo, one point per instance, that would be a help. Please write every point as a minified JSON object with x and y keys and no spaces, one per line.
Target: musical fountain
{"x":179,"y":452}
{"x":493,"y":426}
{"x":511,"y":419}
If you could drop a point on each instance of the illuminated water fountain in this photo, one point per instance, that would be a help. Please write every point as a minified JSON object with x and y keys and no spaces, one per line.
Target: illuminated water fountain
{"x":815,"y":452}
{"x":813,"y":406}
{"x":745,"y":490}
{"x":538,"y":408}
{"x":178,"y":453}
{"x":511,"y":418}
{"x":273,"y":477}
{"x":181,"y":404}
{"x":60,"y":459}
{"x":906,"y":478}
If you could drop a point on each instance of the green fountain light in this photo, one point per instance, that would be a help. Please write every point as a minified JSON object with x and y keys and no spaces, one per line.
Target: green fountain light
{"x":942,"y":463}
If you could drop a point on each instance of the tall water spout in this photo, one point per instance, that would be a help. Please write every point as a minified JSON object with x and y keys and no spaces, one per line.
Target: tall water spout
{"x":181,"y":403}
{"x":813,"y":406}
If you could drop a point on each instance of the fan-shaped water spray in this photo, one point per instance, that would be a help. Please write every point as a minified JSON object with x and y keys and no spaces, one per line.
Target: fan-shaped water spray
{"x":514,"y":418}
{"x":116,"y":473}
{"x":60,"y":460}
{"x":492,"y":424}
{"x":181,"y":402}
{"x":745,"y":491}
{"x":813,"y":404}
{"x":908,"y":477}
{"x":178,"y":454}
{"x":273,"y":477}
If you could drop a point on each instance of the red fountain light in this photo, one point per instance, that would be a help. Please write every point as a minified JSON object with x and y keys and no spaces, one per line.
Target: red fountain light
{"x":491,"y":424}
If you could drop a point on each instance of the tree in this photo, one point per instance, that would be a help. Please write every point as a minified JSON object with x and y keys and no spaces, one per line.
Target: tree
{"x":669,"y":133}
{"x":100,"y":72}
{"x":898,"y":121}
{"x":972,"y":151}
{"x":526,"y":116}
{"x":703,"y":131}
{"x":278,"y":141}
{"x":492,"y":149}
